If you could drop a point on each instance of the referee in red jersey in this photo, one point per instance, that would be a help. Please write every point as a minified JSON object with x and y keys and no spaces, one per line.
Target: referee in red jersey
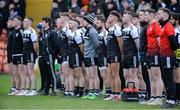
{"x":167,"y":56}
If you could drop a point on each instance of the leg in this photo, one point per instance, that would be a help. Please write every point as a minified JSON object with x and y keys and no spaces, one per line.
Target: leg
{"x":133,"y":76}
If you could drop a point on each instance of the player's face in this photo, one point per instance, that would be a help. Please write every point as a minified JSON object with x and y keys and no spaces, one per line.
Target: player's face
{"x":44,"y":24}
{"x":107,"y":24}
{"x":135,"y":20}
{"x":147,"y":18}
{"x":98,"y":24}
{"x":112,"y":18}
{"x":173,"y":21}
{"x":80,"y":21}
{"x":160,"y":15}
{"x":141,"y":16}
{"x":125,"y":18}
{"x":16,"y":22}
{"x":85,"y":23}
{"x":26,"y":23}
{"x":71,"y":24}
{"x":59,"y":23}
{"x":10,"y":23}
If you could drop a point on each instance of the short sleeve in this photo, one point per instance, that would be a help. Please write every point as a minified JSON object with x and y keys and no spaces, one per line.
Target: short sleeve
{"x":33,"y":36}
{"x":117,"y":30}
{"x":169,"y":30}
{"x":78,"y":38}
{"x":134,"y":32}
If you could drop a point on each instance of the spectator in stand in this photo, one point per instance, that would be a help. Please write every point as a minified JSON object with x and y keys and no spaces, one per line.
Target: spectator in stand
{"x":160,"y":4}
{"x":143,"y":5}
{"x":108,"y":6}
{"x":20,"y":7}
{"x":175,"y":6}
{"x":75,"y":7}
{"x":62,"y":5}
{"x":93,"y":6}
{"x":4,"y":13}
{"x":12,"y":12}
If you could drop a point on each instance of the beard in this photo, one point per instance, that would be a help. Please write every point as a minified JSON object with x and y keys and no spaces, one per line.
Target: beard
{"x":99,"y":28}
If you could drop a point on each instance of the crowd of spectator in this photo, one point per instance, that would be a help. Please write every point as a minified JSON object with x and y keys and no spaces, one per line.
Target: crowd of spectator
{"x":105,"y":6}
{"x":10,"y":8}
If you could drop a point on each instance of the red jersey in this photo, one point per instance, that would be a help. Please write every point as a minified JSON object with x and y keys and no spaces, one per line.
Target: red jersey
{"x":153,"y":31}
{"x":165,"y":46}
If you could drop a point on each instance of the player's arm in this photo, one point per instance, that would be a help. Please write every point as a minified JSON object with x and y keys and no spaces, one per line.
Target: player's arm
{"x":120,"y":43}
{"x":34,"y":41}
{"x":118,"y":34}
{"x":79,"y":41}
{"x":135,"y":36}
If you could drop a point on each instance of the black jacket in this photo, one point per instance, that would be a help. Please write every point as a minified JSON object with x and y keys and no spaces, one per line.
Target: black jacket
{"x":49,"y":41}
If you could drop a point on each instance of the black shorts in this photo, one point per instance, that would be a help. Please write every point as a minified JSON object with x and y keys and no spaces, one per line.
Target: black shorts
{"x":90,"y":61}
{"x":75,"y":61}
{"x":64,"y":58}
{"x":130,"y":61}
{"x":29,"y":58}
{"x":177,"y":63}
{"x":167,"y":62}
{"x":9,"y":57}
{"x":102,"y":61}
{"x":113,"y":59}
{"x":144,"y":59}
{"x":17,"y":59}
{"x":153,"y":61}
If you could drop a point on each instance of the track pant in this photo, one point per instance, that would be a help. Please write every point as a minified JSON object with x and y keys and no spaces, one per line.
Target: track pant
{"x":167,"y":66}
{"x":50,"y":77}
{"x":42,"y":67}
{"x":144,"y":69}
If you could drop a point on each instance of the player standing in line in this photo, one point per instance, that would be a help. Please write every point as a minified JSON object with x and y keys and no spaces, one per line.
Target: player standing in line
{"x":114,"y":54}
{"x":130,"y":52}
{"x":102,"y":52}
{"x":29,"y":55}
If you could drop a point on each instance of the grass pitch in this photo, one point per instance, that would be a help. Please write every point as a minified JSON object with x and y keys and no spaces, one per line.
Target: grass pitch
{"x":59,"y":102}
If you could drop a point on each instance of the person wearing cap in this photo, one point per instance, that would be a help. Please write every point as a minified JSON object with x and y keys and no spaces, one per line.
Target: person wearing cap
{"x":10,"y":26}
{"x":175,"y":20}
{"x":90,"y":56}
{"x":17,"y":57}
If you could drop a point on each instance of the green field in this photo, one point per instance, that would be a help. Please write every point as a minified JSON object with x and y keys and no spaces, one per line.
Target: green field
{"x":58,"y":102}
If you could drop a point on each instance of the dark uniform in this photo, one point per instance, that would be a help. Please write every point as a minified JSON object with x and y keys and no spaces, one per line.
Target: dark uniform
{"x":102,"y":50}
{"x":143,"y":56}
{"x":49,"y":46}
{"x":63,"y":45}
{"x":113,"y":50}
{"x":17,"y":53}
{"x":42,"y":61}
{"x":10,"y":45}
{"x":74,"y":52}
{"x":167,"y":59}
{"x":29,"y":54}
{"x":130,"y":51}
